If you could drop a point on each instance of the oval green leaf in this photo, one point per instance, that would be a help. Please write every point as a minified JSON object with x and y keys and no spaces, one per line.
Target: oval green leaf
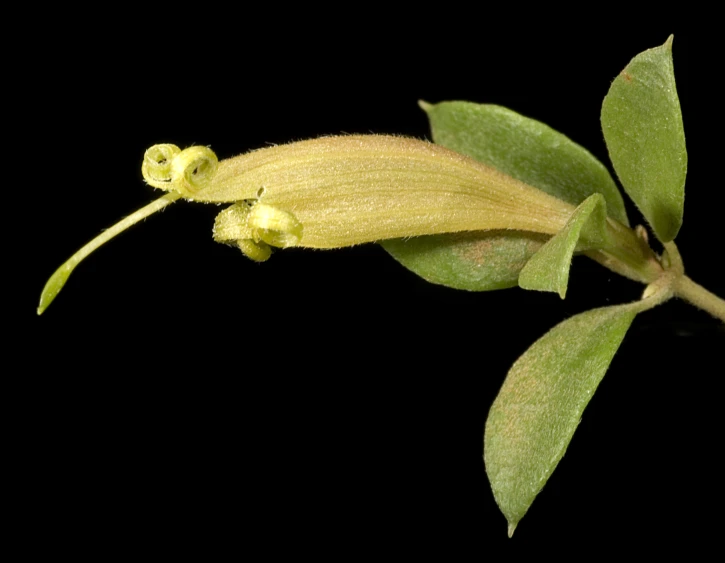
{"x":548,"y":269}
{"x":541,"y":402}
{"x":475,"y":261}
{"x":642,"y":124}
{"x":526,"y":149}
{"x":520,"y":147}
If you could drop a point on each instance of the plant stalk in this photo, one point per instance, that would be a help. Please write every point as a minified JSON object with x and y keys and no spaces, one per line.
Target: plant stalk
{"x":628,"y":255}
{"x":700,"y":297}
{"x":60,"y":276}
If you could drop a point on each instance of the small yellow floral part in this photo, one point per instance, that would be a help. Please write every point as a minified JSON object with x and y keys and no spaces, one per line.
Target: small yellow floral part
{"x":185,"y":172}
{"x":253,"y":226}
{"x":274,"y":226}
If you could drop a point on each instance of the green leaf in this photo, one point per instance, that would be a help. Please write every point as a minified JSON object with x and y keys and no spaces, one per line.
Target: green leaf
{"x":548,"y":269}
{"x":476,"y":261}
{"x":526,"y":149}
{"x":642,"y":125}
{"x":520,"y":147}
{"x":541,"y":402}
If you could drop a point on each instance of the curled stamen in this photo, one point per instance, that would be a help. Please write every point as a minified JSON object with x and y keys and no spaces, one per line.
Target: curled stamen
{"x":275,"y":226}
{"x":156,"y":167}
{"x":186,"y":172}
{"x":192,"y":169}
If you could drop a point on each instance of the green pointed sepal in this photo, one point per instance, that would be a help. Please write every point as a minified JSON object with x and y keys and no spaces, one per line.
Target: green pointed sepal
{"x":548,"y":269}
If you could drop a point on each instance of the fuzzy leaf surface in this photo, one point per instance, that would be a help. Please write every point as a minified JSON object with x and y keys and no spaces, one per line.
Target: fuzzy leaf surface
{"x":520,"y":147}
{"x":642,"y":124}
{"x":541,"y":402}
{"x":526,"y":149}
{"x":548,"y":269}
{"x":475,"y":261}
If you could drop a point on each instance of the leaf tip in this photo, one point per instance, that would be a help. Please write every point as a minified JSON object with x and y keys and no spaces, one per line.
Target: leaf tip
{"x":512,"y":528}
{"x":669,"y":41}
{"x":425,"y":106}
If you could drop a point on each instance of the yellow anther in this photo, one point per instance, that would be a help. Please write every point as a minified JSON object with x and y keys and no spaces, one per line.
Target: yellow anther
{"x":275,"y":226}
{"x":257,"y":251}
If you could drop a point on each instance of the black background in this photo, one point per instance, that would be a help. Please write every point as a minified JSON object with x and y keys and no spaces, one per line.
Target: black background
{"x":179,"y":397}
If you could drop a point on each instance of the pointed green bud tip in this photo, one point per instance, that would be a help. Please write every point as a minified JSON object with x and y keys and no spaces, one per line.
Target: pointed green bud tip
{"x":512,"y":528}
{"x":425,"y":106}
{"x":53,"y":286}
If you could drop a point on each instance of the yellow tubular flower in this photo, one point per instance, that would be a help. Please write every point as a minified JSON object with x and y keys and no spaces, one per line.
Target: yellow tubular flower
{"x":356,"y":189}
{"x":337,"y":191}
